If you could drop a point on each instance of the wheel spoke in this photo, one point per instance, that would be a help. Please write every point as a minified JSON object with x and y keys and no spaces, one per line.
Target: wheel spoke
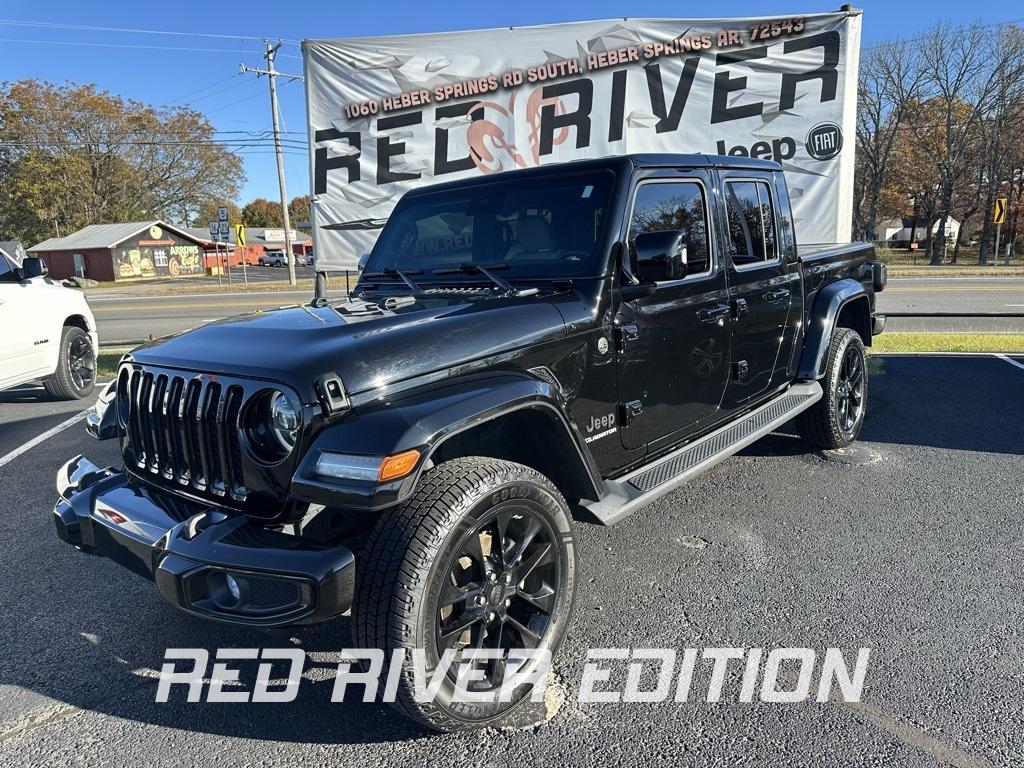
{"x":543,"y":599}
{"x":452,"y":594}
{"x":854,"y":364}
{"x":532,"y":529}
{"x":543,"y":555}
{"x":501,"y":537}
{"x":491,"y":639}
{"x":476,"y":552}
{"x":452,"y":629}
{"x":527,"y":636}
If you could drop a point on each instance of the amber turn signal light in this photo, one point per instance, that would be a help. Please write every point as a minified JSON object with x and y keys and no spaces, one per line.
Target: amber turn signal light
{"x":399,"y":465}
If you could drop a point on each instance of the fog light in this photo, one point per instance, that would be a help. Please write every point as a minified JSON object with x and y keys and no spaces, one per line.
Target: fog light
{"x":233,"y":587}
{"x":228,"y":592}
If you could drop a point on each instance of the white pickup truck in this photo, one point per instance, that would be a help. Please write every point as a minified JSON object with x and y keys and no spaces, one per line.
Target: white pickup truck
{"x":47,"y":331}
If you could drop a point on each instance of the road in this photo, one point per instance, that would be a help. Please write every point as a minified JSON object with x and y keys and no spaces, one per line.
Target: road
{"x":910,"y":547}
{"x":126,"y":318}
{"x":987,"y":295}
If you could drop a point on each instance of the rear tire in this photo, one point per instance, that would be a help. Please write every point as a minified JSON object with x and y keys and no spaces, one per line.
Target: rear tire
{"x":836,"y":419}
{"x":75,"y":376}
{"x":467,"y":563}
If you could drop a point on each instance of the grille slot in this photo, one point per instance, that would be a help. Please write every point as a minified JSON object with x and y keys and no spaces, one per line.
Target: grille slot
{"x":185,"y":430}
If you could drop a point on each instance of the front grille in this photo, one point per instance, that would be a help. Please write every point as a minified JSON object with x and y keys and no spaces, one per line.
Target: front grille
{"x":184,"y":429}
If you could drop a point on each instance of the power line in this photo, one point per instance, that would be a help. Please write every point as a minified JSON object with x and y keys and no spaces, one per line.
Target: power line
{"x":200,"y":90}
{"x":262,"y":142}
{"x":133,"y":31}
{"x":126,"y":45}
{"x":233,"y":103}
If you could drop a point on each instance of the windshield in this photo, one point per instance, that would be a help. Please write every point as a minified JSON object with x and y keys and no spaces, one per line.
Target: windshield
{"x":545,"y":227}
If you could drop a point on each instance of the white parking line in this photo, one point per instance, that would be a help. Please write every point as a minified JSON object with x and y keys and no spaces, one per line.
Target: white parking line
{"x":40,"y":438}
{"x":1011,"y":361}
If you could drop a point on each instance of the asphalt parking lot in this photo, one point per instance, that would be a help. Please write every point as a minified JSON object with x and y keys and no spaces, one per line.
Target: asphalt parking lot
{"x":910,"y":545}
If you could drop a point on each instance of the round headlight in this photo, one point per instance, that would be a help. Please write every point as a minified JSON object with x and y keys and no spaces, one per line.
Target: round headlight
{"x":271,"y":424}
{"x":284,"y":419}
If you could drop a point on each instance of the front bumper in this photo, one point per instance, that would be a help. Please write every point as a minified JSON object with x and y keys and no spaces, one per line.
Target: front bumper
{"x":204,"y":561}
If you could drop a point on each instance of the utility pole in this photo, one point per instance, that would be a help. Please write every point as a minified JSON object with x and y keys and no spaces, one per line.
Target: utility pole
{"x":272,"y":74}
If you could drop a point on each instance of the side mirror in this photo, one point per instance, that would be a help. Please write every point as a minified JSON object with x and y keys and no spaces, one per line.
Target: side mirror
{"x":361,"y":264}
{"x":32,"y":266}
{"x":660,"y":255}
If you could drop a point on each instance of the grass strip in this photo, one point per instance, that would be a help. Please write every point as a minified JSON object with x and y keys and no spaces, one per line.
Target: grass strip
{"x":906,"y":341}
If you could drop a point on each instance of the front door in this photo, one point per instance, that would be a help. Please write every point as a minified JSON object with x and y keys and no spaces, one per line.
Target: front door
{"x":761,"y":285}
{"x":22,"y":352}
{"x":674,"y":342}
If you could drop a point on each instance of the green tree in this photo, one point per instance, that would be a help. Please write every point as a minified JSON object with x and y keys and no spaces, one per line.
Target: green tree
{"x":71,"y":155}
{"x":298,"y":210}
{"x":262,"y":213}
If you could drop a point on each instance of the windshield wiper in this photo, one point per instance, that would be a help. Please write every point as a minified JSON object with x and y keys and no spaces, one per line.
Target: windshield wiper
{"x":501,"y":282}
{"x":403,"y":276}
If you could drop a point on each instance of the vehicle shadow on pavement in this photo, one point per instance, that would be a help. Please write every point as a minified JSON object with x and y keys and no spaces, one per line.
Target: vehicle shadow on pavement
{"x":29,"y":393}
{"x":950,"y":402}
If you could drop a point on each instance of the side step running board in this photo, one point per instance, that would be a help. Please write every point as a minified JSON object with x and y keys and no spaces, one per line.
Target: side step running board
{"x":647,"y":483}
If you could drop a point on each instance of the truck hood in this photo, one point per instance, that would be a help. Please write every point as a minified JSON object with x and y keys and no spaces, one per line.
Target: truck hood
{"x":368,"y":346}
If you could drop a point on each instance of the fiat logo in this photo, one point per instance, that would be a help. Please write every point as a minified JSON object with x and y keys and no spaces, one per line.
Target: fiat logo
{"x":824,"y":141}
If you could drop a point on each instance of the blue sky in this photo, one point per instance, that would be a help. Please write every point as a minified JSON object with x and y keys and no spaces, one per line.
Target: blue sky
{"x":208,"y":79}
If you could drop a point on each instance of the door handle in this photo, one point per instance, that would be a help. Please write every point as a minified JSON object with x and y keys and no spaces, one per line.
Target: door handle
{"x":780,"y":294}
{"x":714,"y":314}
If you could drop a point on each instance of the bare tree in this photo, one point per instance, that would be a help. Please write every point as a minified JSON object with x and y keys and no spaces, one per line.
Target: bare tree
{"x":889,"y":80}
{"x":962,"y":72}
{"x":1001,"y":130}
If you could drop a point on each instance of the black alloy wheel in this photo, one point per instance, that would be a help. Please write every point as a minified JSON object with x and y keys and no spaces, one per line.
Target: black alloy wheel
{"x":850,"y":389}
{"x":75,"y":376}
{"x":836,"y":419}
{"x":481,"y":556}
{"x":499,"y":591}
{"x":81,"y":362}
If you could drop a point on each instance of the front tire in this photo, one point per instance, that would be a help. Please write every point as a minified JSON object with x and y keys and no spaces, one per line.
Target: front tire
{"x":481,"y":556}
{"x":75,"y":376}
{"x":835,"y":420}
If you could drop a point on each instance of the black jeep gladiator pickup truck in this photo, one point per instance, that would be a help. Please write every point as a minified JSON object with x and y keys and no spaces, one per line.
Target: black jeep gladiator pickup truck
{"x":521,"y":349}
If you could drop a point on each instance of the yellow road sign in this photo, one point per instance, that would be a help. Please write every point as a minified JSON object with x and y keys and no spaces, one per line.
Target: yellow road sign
{"x":240,"y":234}
{"x":999,"y":211}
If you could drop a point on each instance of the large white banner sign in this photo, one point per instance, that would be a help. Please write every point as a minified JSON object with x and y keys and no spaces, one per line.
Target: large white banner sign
{"x":388,"y":114}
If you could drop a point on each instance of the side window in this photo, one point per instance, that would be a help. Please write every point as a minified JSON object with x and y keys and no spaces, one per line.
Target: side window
{"x":7,"y":273}
{"x":666,"y":206}
{"x":752,"y":238}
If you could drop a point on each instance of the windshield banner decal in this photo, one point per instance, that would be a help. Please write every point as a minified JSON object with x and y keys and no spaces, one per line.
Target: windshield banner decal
{"x":389,"y":114}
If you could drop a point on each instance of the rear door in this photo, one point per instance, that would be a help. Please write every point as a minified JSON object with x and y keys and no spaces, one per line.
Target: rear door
{"x":674,"y":343}
{"x":761,"y":285}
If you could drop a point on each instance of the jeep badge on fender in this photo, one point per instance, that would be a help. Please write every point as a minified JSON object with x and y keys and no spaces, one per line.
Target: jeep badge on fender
{"x":414,"y":453}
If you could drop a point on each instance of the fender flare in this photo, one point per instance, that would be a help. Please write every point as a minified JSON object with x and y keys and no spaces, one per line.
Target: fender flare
{"x":425,"y":420}
{"x":822,"y":322}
